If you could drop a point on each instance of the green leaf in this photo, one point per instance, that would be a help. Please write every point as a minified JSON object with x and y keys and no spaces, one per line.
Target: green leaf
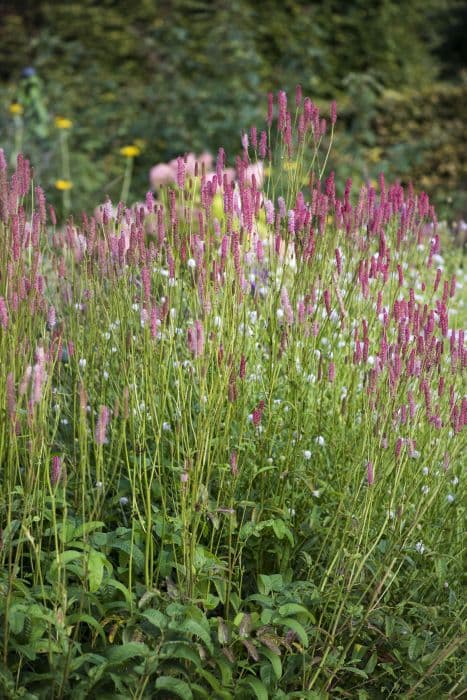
{"x":296,"y":627}
{"x":117,"y":655}
{"x":258,"y":687}
{"x":293,"y":609}
{"x":174,"y":685}
{"x":180,"y":650}
{"x":155,"y":617}
{"x":266,"y":584}
{"x":371,"y":663}
{"x":63,"y":559}
{"x":225,"y":669}
{"x":132,"y":550}
{"x":86,"y":528}
{"x":86,"y":619}
{"x":195,"y":628}
{"x":274,"y":661}
{"x":281,"y":530}
{"x":416,"y":647}
{"x":120,"y":587}
{"x":96,"y":561}
{"x":356,"y":671}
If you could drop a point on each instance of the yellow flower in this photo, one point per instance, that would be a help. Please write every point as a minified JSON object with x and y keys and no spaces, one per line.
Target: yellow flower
{"x":16,"y":109}
{"x":63,"y":123}
{"x":63,"y":185}
{"x":267,"y":172}
{"x":289,"y":165}
{"x":130,"y":151}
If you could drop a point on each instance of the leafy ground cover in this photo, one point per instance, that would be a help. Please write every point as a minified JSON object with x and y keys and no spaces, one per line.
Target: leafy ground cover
{"x":231,"y":436}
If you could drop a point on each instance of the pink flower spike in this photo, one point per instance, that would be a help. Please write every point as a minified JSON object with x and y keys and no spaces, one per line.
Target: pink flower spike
{"x":56,"y":470}
{"x":100,"y":434}
{"x":333,"y":112}
{"x":370,"y":474}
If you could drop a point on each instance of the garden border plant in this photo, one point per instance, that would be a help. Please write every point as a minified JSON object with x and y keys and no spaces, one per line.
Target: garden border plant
{"x":231,"y":435}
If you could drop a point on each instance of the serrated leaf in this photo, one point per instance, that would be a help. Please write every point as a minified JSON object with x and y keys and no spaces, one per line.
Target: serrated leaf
{"x":174,"y":685}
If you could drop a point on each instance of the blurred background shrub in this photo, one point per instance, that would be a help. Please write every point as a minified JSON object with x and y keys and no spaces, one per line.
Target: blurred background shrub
{"x":171,"y":76}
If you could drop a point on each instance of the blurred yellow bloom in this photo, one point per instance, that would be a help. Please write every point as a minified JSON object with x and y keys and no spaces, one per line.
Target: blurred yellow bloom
{"x":290,"y":165}
{"x":63,"y":185}
{"x":63,"y":123}
{"x":15,"y":108}
{"x":267,"y":171}
{"x":130,"y":151}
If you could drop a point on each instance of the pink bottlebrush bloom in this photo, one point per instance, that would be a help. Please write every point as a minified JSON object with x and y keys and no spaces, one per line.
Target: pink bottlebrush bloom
{"x":258,"y":413}
{"x":180,"y":172}
{"x":331,"y":371}
{"x":233,"y":463}
{"x":287,"y":306}
{"x":338,"y":261}
{"x":100,"y":433}
{"x":154,"y":322}
{"x":291,"y":221}
{"x":40,"y":199}
{"x":259,"y":250}
{"x":232,"y":389}
{"x":282,"y":103}
{"x":146,"y":282}
{"x":269,"y":208}
{"x":56,"y":470}
{"x":199,"y":338}
{"x":23,"y":387}
{"x":370,"y":474}
{"x":51,"y":317}
{"x":242,"y":370}
{"x":3,"y":313}
{"x":254,"y":137}
{"x":398,"y":448}
{"x":333,"y":112}
{"x":10,"y":395}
